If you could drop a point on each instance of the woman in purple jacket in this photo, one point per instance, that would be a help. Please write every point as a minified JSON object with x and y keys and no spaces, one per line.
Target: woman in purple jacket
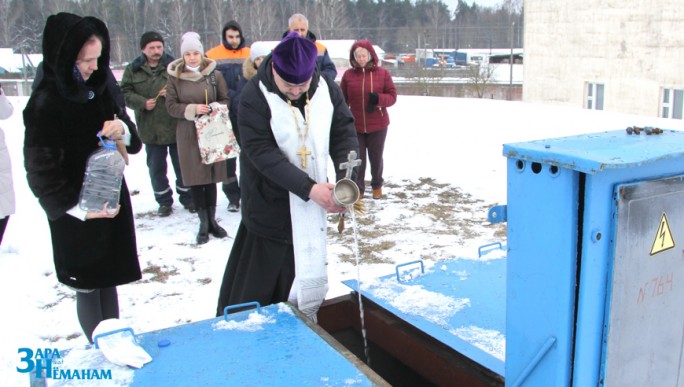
{"x":369,"y":91}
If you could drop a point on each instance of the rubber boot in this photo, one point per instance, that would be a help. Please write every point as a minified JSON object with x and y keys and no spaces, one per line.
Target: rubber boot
{"x":214,"y":228}
{"x":203,"y":233}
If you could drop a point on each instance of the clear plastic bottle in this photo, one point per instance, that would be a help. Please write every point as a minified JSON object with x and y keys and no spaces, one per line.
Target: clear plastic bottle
{"x":102,"y":180}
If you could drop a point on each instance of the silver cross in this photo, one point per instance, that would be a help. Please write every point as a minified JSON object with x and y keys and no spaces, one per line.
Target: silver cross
{"x":352,"y":162}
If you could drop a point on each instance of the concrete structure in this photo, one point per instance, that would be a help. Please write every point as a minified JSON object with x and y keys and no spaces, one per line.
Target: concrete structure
{"x":615,"y":55}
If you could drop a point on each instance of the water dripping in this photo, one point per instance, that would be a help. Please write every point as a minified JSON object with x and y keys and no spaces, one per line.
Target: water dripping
{"x":366,"y":349}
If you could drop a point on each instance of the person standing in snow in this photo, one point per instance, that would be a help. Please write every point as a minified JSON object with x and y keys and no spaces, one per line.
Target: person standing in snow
{"x":291,"y":119}
{"x":144,"y":88}
{"x":369,"y":91}
{"x":95,"y":251}
{"x":230,"y":56}
{"x":194,"y":83}
{"x":6,"y":188}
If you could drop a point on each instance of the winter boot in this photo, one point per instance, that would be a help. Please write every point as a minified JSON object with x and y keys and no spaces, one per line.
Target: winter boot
{"x":203,"y":233}
{"x":214,"y":227}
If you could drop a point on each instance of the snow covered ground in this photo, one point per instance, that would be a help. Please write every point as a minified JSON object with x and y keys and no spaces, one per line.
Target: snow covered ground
{"x":442,"y":154}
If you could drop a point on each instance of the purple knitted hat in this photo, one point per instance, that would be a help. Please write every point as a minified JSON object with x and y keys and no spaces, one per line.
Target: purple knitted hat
{"x":294,"y":58}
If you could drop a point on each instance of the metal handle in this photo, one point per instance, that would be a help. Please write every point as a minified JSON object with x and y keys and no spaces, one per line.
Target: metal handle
{"x":101,"y":335}
{"x":422,"y":267}
{"x":236,"y":306}
{"x":479,"y":249}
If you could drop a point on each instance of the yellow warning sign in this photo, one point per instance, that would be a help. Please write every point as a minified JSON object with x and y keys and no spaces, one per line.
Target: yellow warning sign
{"x":663,"y":239}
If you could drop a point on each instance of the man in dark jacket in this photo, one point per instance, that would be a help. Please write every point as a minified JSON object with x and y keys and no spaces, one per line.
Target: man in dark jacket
{"x":291,"y":120}
{"x":144,"y":88}
{"x":300,"y":24}
{"x":229,"y":57}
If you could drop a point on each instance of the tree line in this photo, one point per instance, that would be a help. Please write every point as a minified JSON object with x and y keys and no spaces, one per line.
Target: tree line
{"x":395,"y":25}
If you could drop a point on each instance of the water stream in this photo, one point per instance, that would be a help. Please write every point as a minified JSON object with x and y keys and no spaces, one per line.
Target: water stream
{"x":366,"y":349}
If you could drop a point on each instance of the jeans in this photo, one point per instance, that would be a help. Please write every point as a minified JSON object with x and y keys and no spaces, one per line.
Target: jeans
{"x":156,"y":163}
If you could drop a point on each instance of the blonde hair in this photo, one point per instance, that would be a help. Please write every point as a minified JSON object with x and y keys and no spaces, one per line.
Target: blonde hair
{"x":181,"y":67}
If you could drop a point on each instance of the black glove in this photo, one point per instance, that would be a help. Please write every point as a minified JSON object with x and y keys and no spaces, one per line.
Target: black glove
{"x":372,"y":102}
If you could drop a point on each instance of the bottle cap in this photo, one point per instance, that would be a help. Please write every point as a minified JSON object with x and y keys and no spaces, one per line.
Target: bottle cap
{"x":107,"y":143}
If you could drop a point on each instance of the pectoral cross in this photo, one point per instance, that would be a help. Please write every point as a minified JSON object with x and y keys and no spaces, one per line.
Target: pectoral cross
{"x":352,"y":162}
{"x":303,"y":152}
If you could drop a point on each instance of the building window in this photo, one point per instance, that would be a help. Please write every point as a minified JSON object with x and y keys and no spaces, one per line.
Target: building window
{"x":672,"y":103}
{"x":594,"y":96}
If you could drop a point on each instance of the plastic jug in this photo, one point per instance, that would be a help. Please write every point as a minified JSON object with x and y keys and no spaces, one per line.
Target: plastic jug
{"x":102,"y":180}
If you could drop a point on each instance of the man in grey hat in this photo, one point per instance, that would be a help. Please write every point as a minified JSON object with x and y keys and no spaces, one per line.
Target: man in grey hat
{"x":144,"y":88}
{"x":291,"y":119}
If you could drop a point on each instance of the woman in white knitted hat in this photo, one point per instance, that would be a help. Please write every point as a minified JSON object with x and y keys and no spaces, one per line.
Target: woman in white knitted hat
{"x":193,"y":84}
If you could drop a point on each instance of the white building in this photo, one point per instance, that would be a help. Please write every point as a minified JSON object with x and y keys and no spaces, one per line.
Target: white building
{"x":615,"y":55}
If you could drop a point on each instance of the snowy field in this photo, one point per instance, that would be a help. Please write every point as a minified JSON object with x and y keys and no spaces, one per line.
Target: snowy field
{"x":443,"y":169}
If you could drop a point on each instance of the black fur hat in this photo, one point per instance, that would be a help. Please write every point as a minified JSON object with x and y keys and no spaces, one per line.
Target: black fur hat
{"x":63,"y":37}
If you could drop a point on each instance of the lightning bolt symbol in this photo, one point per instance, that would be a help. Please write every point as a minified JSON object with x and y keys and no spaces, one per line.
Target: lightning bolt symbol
{"x":662,"y":234}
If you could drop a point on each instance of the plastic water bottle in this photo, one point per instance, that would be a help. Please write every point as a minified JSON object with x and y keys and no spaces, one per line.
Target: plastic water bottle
{"x":102,"y":180}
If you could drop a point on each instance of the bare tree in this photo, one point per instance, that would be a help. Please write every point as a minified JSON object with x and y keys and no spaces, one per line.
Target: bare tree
{"x":397,"y":25}
{"x":7,"y":22}
{"x":480,"y":79}
{"x":215,"y":22}
{"x":332,"y":16}
{"x":178,"y":19}
{"x":262,"y":20}
{"x":424,"y":78}
{"x":513,"y":6}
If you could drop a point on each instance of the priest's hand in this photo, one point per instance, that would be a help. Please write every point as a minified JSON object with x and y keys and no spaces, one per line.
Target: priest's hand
{"x":321,"y":194}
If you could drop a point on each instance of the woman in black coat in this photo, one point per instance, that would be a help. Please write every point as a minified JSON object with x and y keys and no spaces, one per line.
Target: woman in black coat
{"x":93,"y":251}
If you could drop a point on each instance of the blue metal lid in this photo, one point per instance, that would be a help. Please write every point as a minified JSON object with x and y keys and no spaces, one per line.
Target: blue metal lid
{"x":595,"y":152}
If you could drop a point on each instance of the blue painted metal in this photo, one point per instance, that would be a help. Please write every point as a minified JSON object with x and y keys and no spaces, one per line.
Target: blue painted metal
{"x":498,"y":214}
{"x":482,"y":282}
{"x":285,"y":352}
{"x":593,"y":153}
{"x":535,"y":361}
{"x":541,"y":273}
{"x":396,"y":269}
{"x":561,"y":245}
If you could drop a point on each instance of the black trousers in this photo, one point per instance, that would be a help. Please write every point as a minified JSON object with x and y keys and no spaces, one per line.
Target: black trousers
{"x":258,"y":269}
{"x":3,"y":226}
{"x":230,"y":186}
{"x":372,"y":144}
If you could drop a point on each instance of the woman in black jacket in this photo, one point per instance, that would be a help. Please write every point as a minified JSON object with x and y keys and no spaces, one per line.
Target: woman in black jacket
{"x":93,"y":251}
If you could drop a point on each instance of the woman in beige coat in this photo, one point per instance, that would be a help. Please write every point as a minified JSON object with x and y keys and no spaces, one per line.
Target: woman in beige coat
{"x":193,"y":84}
